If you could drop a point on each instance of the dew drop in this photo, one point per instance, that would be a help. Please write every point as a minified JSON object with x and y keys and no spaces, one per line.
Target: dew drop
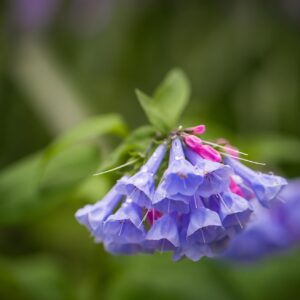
{"x":178,"y":157}
{"x":144,"y":169}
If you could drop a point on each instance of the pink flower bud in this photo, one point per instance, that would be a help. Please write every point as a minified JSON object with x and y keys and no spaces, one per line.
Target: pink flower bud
{"x":153,"y":215}
{"x":235,"y":188}
{"x":210,"y":153}
{"x":193,"y":142}
{"x":200,"y":129}
{"x":229,"y":149}
{"x":222,"y":141}
{"x":232,"y":151}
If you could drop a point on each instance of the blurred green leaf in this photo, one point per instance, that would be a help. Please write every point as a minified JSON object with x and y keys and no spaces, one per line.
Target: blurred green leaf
{"x":87,"y":131}
{"x":152,"y":111}
{"x":68,"y":168}
{"x":33,"y":278}
{"x":168,"y":102}
{"x":172,"y":96}
{"x":28,"y":189}
{"x":34,"y":185}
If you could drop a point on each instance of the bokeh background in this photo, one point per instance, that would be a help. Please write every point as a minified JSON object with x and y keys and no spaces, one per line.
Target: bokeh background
{"x":64,"y":62}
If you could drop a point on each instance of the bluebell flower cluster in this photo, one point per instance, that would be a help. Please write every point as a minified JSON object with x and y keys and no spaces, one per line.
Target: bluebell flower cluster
{"x":272,"y":231}
{"x":194,"y":209}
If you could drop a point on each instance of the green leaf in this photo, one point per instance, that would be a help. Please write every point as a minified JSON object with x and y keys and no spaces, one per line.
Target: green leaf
{"x":29,"y":190}
{"x":172,"y":96}
{"x":168,"y":102}
{"x":33,"y":277}
{"x":152,"y":111}
{"x":70,"y":167}
{"x":87,"y":131}
{"x":33,"y":186}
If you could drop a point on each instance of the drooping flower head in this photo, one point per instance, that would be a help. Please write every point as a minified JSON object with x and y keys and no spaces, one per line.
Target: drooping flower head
{"x":194,"y":207}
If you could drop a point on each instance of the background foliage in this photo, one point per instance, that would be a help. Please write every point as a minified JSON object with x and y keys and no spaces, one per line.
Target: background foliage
{"x":68,"y":73}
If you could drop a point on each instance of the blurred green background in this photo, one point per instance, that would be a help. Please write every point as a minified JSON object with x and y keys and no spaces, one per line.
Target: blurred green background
{"x":67,"y":62}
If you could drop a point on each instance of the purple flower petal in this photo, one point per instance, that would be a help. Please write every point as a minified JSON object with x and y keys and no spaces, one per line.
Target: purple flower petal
{"x":233,"y":209}
{"x":181,"y":177}
{"x":163,"y":235}
{"x":140,"y":187}
{"x":216,"y":175}
{"x":194,"y":252}
{"x":204,"y":227}
{"x":116,"y":248}
{"x":266,"y":187}
{"x":170,"y":203}
{"x":125,"y":226}
{"x":93,"y":216}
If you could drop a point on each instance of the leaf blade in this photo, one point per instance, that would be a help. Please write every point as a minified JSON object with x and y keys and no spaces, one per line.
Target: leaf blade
{"x":164,"y":109}
{"x":172,"y":96}
{"x":151,"y":110}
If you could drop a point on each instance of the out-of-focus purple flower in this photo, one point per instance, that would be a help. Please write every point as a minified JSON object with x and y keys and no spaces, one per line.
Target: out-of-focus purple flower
{"x":141,"y":187}
{"x":272,"y":231}
{"x":266,"y":187}
{"x":33,"y":15}
{"x":83,"y":17}
{"x":287,"y":210}
{"x":116,"y":248}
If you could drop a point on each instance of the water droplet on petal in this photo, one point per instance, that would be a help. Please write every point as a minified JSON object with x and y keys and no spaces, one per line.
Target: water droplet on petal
{"x":179,"y":157}
{"x":144,"y":169}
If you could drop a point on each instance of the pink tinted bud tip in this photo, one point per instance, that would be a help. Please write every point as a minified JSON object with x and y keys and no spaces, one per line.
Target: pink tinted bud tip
{"x":235,"y":188}
{"x":200,"y":129}
{"x":222,"y":141}
{"x":153,"y":215}
{"x":209,"y":153}
{"x":228,"y":148}
{"x":232,"y":151}
{"x":193,"y":142}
